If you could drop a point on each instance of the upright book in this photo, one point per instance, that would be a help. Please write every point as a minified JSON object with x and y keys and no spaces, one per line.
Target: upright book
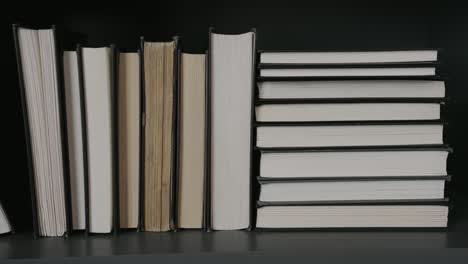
{"x":192,"y":141}
{"x":97,"y":80}
{"x":129,"y":138}
{"x":75,"y":139}
{"x":160,"y":61}
{"x":231,"y":81}
{"x":45,"y":128}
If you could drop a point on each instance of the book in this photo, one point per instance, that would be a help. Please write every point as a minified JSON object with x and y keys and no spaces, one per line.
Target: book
{"x":348,"y":72}
{"x":5,"y":226}
{"x":354,"y":162}
{"x":366,"y":134}
{"x":348,"y":57}
{"x":129,"y":138}
{"x":348,"y":190}
{"x":159,"y":83}
{"x":367,"y":111}
{"x":45,"y":128}
{"x":75,"y":139}
{"x":352,"y":89}
{"x":192,"y":140}
{"x":97,"y":88}
{"x":231,"y":82}
{"x":352,"y":216}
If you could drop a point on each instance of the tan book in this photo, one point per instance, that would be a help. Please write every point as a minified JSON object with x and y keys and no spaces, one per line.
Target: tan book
{"x":192,"y":140}
{"x":129,"y":138}
{"x":159,"y":98}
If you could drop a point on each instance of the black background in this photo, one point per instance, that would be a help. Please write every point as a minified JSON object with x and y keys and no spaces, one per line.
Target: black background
{"x":280,"y":25}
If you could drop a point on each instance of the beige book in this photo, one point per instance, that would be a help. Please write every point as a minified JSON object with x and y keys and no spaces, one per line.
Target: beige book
{"x":129,"y":138}
{"x":159,"y":71}
{"x":192,"y":140}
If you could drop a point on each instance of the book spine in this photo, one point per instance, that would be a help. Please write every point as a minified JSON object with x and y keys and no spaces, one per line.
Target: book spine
{"x":141,"y":213}
{"x":436,"y":147}
{"x":422,"y":64}
{"x":207,"y":192}
{"x":368,"y":100}
{"x":115,"y":137}
{"x":174,"y":201}
{"x":349,"y":123}
{"x":252,"y":209}
{"x":84,"y":132}
{"x":347,"y":78}
{"x":441,"y":202}
{"x":267,"y":180}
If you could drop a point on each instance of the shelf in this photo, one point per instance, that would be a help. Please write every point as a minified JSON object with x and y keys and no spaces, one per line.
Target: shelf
{"x":224,"y":242}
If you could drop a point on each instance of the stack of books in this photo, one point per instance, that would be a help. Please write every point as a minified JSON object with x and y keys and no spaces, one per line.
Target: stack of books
{"x":156,"y":139}
{"x":351,"y":140}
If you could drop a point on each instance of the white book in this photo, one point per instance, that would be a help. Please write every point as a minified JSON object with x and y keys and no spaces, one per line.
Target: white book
{"x":349,"y":57}
{"x":354,"y":163}
{"x":348,"y":72}
{"x":347,"y":112}
{"x":352,"y":216}
{"x":231,"y":99}
{"x":97,"y":87}
{"x":349,"y":135}
{"x":352,"y":190}
{"x":129,"y":138}
{"x":38,"y":59}
{"x":75,"y":139}
{"x":5,"y":226}
{"x":352,"y":89}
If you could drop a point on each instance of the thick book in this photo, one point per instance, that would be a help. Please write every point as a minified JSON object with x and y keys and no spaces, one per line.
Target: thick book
{"x":354,"y":161}
{"x":364,"y":110}
{"x":348,"y":57}
{"x":352,"y":89}
{"x":160,"y":62}
{"x":45,"y":128}
{"x":5,"y":226}
{"x":349,"y":134}
{"x":231,"y":64}
{"x":97,"y":73}
{"x":192,"y":141}
{"x":129,"y":138}
{"x":75,"y":139}
{"x":358,"y":215}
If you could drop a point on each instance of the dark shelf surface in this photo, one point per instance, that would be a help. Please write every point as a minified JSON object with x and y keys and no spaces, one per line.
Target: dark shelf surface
{"x":153,"y":246}
{"x":22,"y":246}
